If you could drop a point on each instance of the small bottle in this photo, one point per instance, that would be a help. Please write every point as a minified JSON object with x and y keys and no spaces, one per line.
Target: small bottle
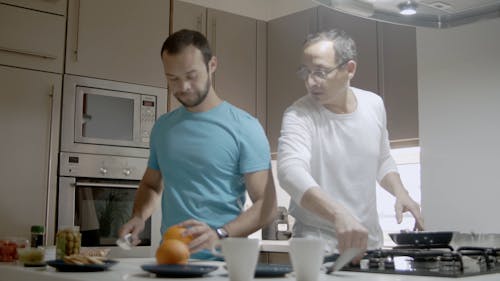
{"x":68,"y":241}
{"x":37,"y":235}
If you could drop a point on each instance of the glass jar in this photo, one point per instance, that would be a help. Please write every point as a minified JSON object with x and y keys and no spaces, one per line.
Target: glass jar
{"x":37,"y":235}
{"x":9,"y":246}
{"x":68,"y":241}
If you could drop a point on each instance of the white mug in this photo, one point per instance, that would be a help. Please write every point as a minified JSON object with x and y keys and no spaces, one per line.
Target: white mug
{"x":240,"y":254}
{"x":307,"y":255}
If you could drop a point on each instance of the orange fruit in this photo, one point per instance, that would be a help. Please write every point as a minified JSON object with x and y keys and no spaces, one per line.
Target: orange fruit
{"x":175,"y":232}
{"x":172,"y":251}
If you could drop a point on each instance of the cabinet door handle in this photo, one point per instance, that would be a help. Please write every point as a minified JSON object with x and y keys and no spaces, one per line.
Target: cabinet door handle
{"x":49,"y":195}
{"x":214,"y":35}
{"x":28,"y":53}
{"x":77,"y":22}
{"x":198,"y":23}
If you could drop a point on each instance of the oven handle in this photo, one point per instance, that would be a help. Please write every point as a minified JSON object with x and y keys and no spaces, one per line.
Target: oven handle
{"x":97,"y":184}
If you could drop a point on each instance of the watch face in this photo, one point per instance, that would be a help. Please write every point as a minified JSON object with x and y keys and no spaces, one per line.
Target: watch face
{"x":222,"y":233}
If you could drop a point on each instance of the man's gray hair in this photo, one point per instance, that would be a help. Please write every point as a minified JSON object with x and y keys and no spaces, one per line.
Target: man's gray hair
{"x":343,"y":44}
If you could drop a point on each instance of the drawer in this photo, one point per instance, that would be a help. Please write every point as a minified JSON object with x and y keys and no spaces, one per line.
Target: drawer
{"x":49,"y":6}
{"x":31,"y":39}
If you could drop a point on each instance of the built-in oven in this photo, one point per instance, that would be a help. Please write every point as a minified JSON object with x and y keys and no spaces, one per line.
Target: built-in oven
{"x":105,"y":132}
{"x":96,"y":192}
{"x":108,"y":117}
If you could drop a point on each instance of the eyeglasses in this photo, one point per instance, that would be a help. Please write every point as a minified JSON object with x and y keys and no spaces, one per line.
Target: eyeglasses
{"x":319,"y":74}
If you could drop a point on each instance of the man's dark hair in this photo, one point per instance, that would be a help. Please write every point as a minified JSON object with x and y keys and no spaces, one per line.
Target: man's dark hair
{"x":343,"y":44}
{"x":181,"y":39}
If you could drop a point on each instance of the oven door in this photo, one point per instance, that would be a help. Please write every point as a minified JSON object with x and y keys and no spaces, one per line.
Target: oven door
{"x":100,"y":207}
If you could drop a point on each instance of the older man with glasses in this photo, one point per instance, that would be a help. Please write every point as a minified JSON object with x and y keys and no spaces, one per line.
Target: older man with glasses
{"x":333,"y":149}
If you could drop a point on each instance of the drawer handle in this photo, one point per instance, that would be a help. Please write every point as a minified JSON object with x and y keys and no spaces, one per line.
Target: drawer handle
{"x":28,"y":53}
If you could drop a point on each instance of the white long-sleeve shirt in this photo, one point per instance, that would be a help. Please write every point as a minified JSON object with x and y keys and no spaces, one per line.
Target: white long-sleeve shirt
{"x":343,"y":154}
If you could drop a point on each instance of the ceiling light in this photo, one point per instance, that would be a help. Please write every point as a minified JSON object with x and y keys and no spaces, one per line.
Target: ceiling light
{"x":408,"y":8}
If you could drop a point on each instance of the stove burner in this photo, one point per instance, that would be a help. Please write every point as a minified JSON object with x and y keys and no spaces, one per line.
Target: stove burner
{"x":466,"y":261}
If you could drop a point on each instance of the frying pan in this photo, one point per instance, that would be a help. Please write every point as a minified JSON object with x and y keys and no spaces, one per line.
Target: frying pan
{"x":453,"y":239}
{"x":422,"y":238}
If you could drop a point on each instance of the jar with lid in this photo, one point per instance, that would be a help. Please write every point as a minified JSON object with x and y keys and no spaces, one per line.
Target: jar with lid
{"x":37,"y":235}
{"x":68,"y":241}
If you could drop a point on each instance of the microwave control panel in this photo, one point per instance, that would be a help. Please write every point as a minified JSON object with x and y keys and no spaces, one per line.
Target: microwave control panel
{"x":148,"y":116}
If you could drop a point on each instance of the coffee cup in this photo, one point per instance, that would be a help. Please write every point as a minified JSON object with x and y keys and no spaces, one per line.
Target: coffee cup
{"x":307,"y":256}
{"x":240,"y":254}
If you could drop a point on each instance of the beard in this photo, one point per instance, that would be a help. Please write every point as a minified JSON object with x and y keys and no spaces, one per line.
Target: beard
{"x":200,"y":95}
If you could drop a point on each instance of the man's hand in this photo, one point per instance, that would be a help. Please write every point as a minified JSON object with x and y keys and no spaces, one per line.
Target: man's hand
{"x":203,"y":235}
{"x":350,"y":234}
{"x":134,"y":226}
{"x":404,"y":203}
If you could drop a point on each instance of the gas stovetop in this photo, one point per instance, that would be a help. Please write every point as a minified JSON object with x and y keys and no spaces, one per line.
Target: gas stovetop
{"x":465,"y":261}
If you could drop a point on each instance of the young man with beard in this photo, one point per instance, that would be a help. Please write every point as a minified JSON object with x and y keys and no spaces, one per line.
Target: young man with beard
{"x":333,"y":149}
{"x":207,"y":152}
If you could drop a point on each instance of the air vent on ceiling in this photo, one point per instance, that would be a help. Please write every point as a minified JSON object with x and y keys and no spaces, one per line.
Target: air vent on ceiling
{"x":440,"y":5}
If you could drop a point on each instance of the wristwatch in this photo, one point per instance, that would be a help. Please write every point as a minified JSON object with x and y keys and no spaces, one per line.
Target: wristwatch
{"x":221,"y":233}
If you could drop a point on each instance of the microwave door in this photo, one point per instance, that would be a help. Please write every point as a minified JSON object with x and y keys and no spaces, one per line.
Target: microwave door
{"x":107,"y":117}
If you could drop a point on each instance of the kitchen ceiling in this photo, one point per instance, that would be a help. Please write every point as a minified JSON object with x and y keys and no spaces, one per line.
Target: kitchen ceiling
{"x":429,"y":13}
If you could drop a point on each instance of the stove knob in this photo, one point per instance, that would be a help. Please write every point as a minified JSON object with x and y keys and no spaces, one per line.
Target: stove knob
{"x":127,"y":172}
{"x":103,"y":170}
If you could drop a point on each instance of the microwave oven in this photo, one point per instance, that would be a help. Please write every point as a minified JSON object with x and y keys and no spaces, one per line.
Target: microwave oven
{"x":108,"y":117}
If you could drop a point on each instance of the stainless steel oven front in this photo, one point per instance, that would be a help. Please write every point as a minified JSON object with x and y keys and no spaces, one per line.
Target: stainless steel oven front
{"x":96,"y":192}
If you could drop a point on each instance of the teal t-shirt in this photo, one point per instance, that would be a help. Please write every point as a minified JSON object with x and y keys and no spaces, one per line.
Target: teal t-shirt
{"x":203,"y":157}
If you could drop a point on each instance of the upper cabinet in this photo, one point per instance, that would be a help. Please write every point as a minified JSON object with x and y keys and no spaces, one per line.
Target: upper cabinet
{"x":31,"y":39}
{"x":398,"y":81}
{"x":387,"y":66}
{"x":233,"y":40}
{"x":364,"y":33}
{"x":50,"y":6}
{"x":286,"y":36}
{"x":117,"y":40}
{"x":189,"y":16}
{"x":239,"y":43}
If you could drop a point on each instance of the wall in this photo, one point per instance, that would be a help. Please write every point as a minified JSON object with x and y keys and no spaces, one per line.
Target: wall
{"x":258,"y":9}
{"x":459,"y":99}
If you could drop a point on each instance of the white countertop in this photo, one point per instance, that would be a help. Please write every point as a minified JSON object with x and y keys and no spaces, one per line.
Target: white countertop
{"x":130,"y":270}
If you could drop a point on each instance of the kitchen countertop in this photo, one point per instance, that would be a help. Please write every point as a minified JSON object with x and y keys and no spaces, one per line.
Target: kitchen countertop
{"x":129,"y":270}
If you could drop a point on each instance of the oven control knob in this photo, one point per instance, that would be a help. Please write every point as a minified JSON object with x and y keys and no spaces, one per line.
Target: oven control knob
{"x":103,"y":170}
{"x":126,"y":172}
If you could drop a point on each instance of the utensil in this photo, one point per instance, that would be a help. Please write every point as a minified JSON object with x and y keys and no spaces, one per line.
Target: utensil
{"x":344,"y":259}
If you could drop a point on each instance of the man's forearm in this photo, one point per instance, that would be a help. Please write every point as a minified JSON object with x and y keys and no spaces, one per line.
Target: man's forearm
{"x":145,"y":201}
{"x":264,"y":208}
{"x":253,"y":219}
{"x":318,"y":202}
{"x":393,"y":184}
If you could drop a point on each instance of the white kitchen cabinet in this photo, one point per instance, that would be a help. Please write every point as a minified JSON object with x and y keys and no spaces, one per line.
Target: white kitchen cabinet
{"x":364,"y":33}
{"x":31,"y":39}
{"x":50,"y":6}
{"x":398,"y":82}
{"x":30,"y":118}
{"x":117,"y":40}
{"x":286,"y":37}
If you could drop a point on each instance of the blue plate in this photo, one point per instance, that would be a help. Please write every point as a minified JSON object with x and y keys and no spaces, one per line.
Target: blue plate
{"x":60,"y":265}
{"x":179,"y":270}
{"x":272,"y":270}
